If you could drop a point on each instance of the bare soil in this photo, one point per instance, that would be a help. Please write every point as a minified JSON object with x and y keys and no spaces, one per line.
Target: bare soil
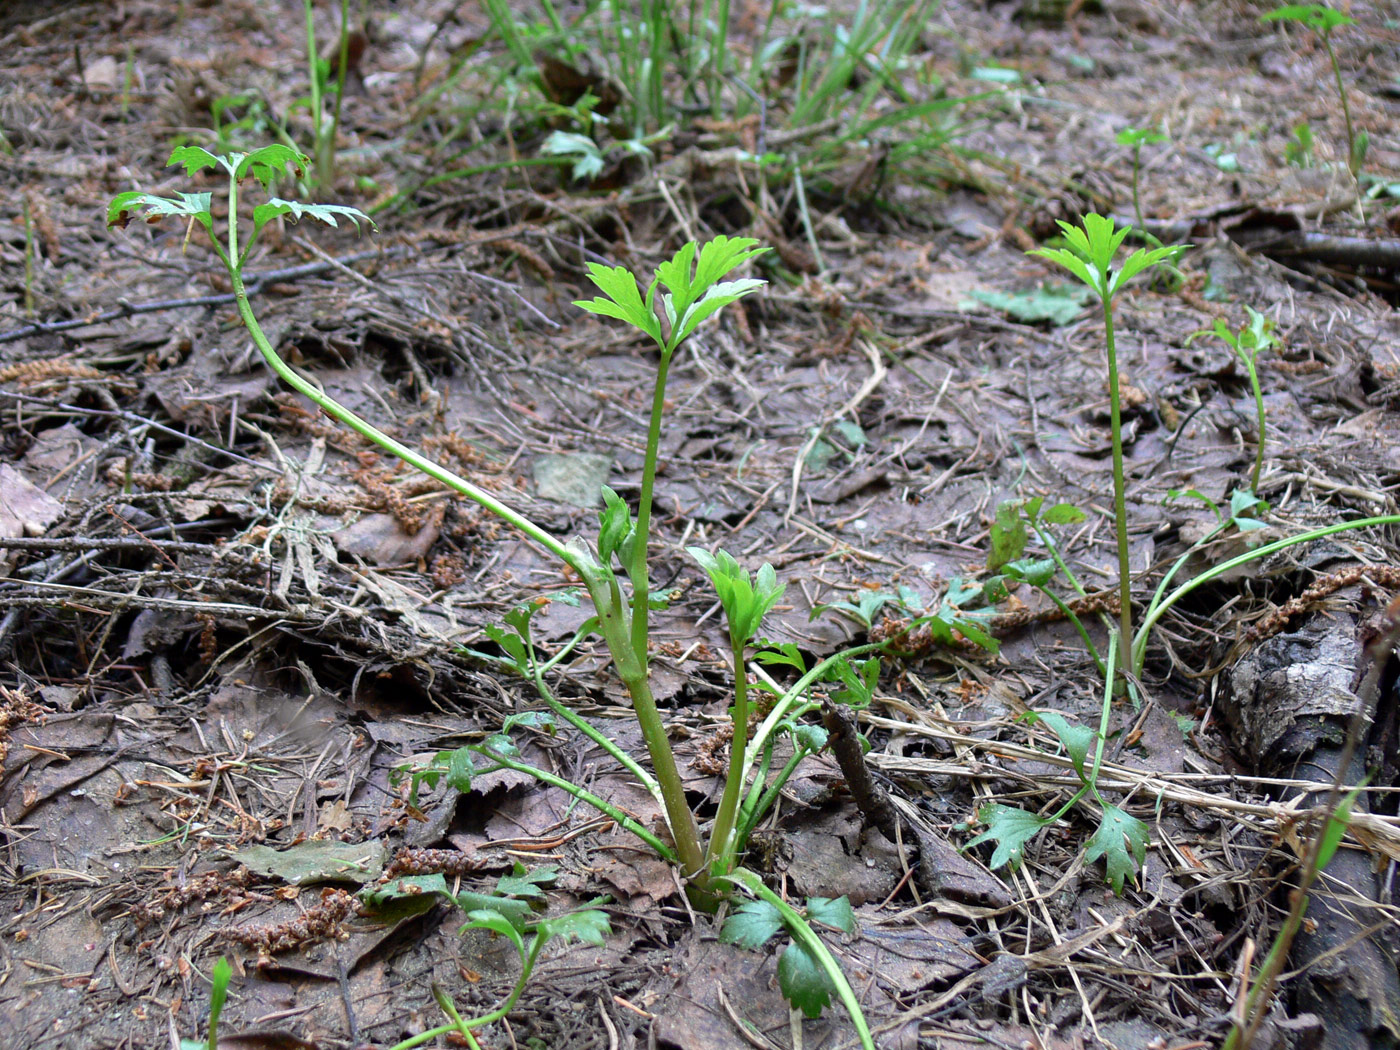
{"x":225,"y":622}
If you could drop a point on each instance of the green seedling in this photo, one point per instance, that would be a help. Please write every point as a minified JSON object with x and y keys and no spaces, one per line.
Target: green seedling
{"x":509,"y":912}
{"x":319,"y":74}
{"x":691,"y":287}
{"x":1323,"y":20}
{"x":1298,"y":151}
{"x":219,"y":979}
{"x":1137,"y":138}
{"x":1120,"y":839}
{"x":1090,"y":258}
{"x":1247,"y":343}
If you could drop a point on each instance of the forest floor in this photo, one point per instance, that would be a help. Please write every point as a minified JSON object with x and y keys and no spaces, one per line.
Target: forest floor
{"x":227,"y":624}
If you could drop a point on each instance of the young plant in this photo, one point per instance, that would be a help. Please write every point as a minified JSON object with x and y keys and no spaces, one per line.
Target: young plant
{"x":508,"y":913}
{"x":318,"y":72}
{"x":1120,"y":840}
{"x":1137,"y":138}
{"x":1247,"y":343}
{"x":688,"y":289}
{"x":218,"y":994}
{"x":1322,"y":20}
{"x":694,"y":289}
{"x":1090,"y":258}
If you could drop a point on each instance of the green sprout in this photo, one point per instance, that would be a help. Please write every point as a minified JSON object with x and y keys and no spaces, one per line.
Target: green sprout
{"x":1090,"y":258}
{"x":1247,"y":343}
{"x":1137,"y":138}
{"x":219,"y":979}
{"x":1323,"y":20}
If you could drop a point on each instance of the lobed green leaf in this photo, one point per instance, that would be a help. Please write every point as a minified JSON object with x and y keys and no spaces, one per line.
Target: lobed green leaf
{"x":803,"y":981}
{"x":1010,"y":828}
{"x":1121,"y":841}
{"x":751,"y":924}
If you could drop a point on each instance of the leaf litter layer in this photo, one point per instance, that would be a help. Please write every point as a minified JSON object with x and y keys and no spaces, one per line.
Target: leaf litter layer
{"x":227,"y":622}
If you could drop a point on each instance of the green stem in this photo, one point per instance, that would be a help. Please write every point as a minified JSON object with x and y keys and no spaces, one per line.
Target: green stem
{"x":1253,"y":369}
{"x":1120,"y":509}
{"x":720,"y":855}
{"x":1159,"y":609}
{"x":315,"y":82}
{"x":802,"y":932}
{"x":329,"y":147}
{"x":583,"y":795}
{"x":1137,"y":204}
{"x":461,"y":1026}
{"x":338,"y":412}
{"x":1352,"y":165}
{"x":600,"y":738}
{"x":637,"y":570}
{"x":781,"y":709}
{"x":1069,"y":614}
{"x":755,"y":809}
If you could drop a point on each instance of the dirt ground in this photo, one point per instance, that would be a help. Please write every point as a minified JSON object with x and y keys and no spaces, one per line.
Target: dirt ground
{"x":225,"y":622}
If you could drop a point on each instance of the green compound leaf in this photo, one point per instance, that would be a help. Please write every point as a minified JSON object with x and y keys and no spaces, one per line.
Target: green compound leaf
{"x":751,"y":924}
{"x":1091,"y":252}
{"x":1010,"y":828}
{"x":1063,"y":514}
{"x":1076,"y":740}
{"x":588,"y":159}
{"x":803,"y":981}
{"x":1139,"y":137}
{"x":746,"y":600}
{"x":1038,"y":572}
{"x":1008,"y":535}
{"x":833,"y":911}
{"x":714,"y":300}
{"x":194,"y":160}
{"x":493,"y":921}
{"x":624,"y":300}
{"x":615,"y":527}
{"x":527,"y":884}
{"x":270,"y":163}
{"x":276,"y":206}
{"x":1122,"y":843}
{"x":1057,"y":304}
{"x":589,"y":926}
{"x":1315,"y":16}
{"x":187,"y":205}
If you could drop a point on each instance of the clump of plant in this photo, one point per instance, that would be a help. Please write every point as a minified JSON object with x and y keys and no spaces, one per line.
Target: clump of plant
{"x":1247,"y":343}
{"x":689,"y":288}
{"x":1322,"y":20}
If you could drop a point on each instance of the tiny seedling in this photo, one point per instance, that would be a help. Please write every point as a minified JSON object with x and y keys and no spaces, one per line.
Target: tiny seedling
{"x":1137,"y":138}
{"x":218,"y":994}
{"x":1089,"y":257}
{"x":1322,"y":20}
{"x":1298,"y":151}
{"x":1247,"y":343}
